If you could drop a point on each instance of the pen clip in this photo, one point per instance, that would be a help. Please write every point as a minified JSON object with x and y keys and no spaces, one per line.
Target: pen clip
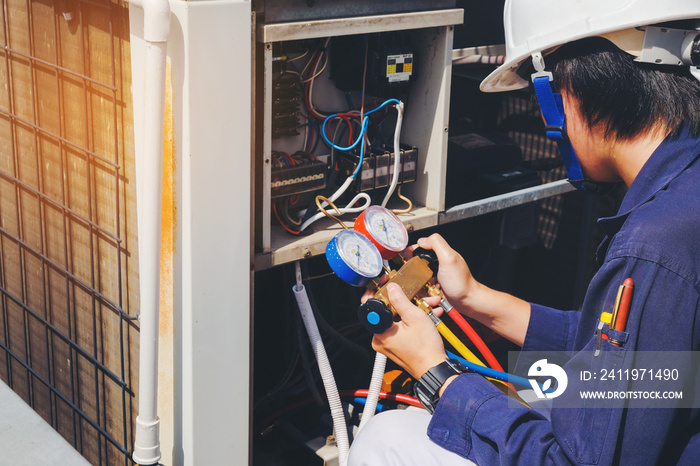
{"x":598,"y":337}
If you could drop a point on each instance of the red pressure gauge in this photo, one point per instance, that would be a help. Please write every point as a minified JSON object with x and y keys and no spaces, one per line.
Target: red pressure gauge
{"x":384,"y":229}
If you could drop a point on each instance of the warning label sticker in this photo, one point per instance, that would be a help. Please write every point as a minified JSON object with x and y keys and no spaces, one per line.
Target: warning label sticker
{"x":399,"y":67}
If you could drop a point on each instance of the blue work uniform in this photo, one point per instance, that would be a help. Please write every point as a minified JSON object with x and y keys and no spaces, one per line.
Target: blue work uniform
{"x":655,"y":240}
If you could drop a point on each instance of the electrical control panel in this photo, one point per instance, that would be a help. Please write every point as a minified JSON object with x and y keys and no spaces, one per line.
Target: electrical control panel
{"x":353,"y":109}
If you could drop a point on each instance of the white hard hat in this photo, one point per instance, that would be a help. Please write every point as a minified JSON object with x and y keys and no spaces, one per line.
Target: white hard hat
{"x":539,"y":25}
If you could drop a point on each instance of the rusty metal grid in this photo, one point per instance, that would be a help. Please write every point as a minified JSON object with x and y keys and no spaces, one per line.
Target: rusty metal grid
{"x":67,"y":337}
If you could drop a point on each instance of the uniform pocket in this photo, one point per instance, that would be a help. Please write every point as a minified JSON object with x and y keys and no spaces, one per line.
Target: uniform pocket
{"x":587,"y":427}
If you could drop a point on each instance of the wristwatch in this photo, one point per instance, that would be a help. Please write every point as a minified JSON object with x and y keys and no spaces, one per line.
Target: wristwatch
{"x":429,"y":385}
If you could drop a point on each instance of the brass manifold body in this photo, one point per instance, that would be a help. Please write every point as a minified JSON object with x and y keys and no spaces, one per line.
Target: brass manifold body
{"x":377,"y":314}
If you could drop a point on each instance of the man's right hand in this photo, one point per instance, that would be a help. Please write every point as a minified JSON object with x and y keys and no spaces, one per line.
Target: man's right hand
{"x":454,"y":277}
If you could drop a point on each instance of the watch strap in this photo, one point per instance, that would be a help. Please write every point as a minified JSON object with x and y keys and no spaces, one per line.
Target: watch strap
{"x":428,"y":387}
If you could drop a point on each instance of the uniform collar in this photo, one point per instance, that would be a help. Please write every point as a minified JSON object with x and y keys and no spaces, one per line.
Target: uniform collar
{"x":665,"y":164}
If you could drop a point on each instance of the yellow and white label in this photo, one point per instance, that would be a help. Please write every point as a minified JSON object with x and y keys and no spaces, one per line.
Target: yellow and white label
{"x":399,"y":67}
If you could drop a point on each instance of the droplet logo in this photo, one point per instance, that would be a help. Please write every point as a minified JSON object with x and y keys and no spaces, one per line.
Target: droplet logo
{"x":542,"y":368}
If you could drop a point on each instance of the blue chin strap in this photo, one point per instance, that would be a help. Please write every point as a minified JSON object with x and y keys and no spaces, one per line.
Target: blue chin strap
{"x":552,"y":108}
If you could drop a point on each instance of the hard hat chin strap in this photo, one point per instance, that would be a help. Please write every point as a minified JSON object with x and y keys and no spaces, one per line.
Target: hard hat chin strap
{"x":552,"y":108}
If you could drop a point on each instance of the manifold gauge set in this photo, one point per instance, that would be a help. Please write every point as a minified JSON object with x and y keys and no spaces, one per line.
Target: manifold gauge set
{"x":357,"y":256}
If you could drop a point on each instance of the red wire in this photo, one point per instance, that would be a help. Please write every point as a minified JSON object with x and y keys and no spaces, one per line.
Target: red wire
{"x":344,"y":117}
{"x":347,"y":120}
{"x":289,"y":158}
{"x":274,"y":208}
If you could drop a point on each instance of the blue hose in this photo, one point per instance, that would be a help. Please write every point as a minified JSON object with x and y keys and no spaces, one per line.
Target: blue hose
{"x":492,"y":373}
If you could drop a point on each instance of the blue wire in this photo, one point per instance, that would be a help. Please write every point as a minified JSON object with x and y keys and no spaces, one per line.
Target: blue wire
{"x":365,"y":122}
{"x":494,"y":374}
{"x":363,"y":129}
{"x":383,"y":104}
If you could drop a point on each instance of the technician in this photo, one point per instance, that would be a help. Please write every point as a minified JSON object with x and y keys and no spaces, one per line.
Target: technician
{"x":628,"y":111}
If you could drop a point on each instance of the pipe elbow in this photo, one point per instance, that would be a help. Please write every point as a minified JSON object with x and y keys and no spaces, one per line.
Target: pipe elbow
{"x":156,"y":19}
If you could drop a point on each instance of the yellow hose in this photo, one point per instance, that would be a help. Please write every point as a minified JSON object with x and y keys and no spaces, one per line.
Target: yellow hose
{"x":452,"y":339}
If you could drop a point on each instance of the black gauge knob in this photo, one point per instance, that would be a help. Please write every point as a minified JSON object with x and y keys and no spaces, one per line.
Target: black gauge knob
{"x":429,"y":256}
{"x":375,"y":315}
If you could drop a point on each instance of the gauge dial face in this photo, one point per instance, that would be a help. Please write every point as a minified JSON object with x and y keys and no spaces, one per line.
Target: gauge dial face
{"x":386,"y":228}
{"x":359,"y":253}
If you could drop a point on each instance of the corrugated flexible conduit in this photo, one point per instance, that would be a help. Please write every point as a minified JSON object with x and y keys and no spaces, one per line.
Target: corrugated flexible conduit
{"x":324,"y":366}
{"x":156,"y":30}
{"x":375,"y":387}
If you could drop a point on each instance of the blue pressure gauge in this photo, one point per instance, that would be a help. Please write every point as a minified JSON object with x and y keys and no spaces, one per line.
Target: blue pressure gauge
{"x":353,"y":257}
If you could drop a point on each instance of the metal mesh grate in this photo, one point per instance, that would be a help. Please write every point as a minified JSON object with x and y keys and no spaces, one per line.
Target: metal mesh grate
{"x":520,"y":118}
{"x":68,"y":340}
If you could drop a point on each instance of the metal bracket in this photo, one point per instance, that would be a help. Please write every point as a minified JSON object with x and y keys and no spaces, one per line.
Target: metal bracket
{"x":664,"y":46}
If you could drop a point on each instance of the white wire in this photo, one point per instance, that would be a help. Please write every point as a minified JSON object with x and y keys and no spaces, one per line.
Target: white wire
{"x":343,"y":210}
{"x":312,"y":79}
{"x":325,"y":62}
{"x":312,"y":109}
{"x":397,"y":154}
{"x":289,"y":60}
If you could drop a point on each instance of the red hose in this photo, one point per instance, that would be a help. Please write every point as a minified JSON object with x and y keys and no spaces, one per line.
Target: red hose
{"x":478,"y":342}
{"x":267,"y":421}
{"x":409,"y":400}
{"x":476,"y":339}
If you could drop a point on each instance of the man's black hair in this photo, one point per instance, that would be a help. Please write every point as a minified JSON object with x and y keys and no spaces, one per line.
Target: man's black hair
{"x":624,"y":97}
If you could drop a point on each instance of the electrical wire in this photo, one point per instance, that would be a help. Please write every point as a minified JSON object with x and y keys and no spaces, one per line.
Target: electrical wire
{"x":363,"y":128}
{"x":325,"y":62}
{"x":340,"y":191}
{"x":277,"y":216}
{"x":397,"y":154}
{"x":343,"y":210}
{"x":406,"y":200}
{"x":289,"y":60}
{"x":309,"y":82}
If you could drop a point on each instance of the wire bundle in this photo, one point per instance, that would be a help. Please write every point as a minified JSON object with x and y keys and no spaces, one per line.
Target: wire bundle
{"x":282,"y":207}
{"x":350,"y":131}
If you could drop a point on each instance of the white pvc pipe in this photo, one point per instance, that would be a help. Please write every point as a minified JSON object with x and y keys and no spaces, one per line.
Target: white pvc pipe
{"x":149,"y":182}
{"x":375,"y":386}
{"x":324,"y":366}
